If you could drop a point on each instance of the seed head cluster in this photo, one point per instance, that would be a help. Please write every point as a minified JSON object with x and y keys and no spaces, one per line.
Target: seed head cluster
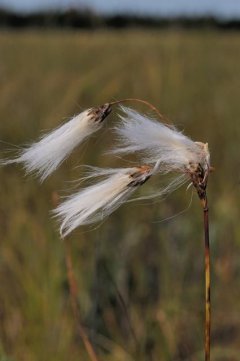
{"x":159,"y":149}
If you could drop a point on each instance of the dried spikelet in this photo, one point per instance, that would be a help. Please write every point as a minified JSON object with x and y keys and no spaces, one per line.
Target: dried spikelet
{"x":46,"y":155}
{"x":97,"y":201}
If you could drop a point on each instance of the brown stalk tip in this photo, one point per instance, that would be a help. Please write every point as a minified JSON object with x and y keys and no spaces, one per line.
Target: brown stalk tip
{"x":101,"y":112}
{"x":140,"y":176}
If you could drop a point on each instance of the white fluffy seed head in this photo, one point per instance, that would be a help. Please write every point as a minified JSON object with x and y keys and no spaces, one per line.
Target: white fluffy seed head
{"x":97,"y":201}
{"x":46,"y":155}
{"x":158,"y":144}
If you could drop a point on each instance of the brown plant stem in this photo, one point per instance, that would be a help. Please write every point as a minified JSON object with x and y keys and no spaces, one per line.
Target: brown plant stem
{"x":207,"y":280}
{"x":161,"y":116}
{"x":73,"y":289}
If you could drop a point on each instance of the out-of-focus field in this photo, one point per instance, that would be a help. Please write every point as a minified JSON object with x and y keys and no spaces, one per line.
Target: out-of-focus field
{"x":154,"y":261}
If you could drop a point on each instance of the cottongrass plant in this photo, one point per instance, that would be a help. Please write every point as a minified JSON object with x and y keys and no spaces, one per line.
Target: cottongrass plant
{"x":160,"y":149}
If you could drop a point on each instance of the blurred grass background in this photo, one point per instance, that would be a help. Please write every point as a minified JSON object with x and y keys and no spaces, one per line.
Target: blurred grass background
{"x":155,"y":263}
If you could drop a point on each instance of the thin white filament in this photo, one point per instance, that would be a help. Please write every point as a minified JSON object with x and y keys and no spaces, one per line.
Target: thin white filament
{"x":158,"y":195}
{"x":177,"y":214}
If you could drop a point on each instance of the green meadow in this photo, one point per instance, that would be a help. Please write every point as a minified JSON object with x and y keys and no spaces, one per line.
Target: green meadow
{"x":140,"y":274}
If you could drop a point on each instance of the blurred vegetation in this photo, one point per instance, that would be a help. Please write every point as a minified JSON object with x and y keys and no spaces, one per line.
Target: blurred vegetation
{"x":87,"y":18}
{"x":155,"y":262}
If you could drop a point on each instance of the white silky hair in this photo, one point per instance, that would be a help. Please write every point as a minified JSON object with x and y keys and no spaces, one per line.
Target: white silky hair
{"x":46,"y":155}
{"x":94,"y":203}
{"x":156,"y":143}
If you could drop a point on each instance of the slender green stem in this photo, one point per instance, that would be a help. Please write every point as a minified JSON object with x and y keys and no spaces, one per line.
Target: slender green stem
{"x":207,"y":282}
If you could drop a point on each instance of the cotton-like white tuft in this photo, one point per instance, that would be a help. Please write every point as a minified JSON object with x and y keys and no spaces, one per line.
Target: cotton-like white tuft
{"x":158,"y":144}
{"x":46,"y":155}
{"x":97,"y":201}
